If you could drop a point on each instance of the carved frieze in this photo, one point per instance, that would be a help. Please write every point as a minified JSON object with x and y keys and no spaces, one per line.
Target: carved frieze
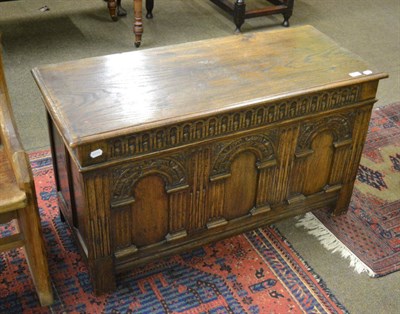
{"x":172,"y":169}
{"x":229,"y":123}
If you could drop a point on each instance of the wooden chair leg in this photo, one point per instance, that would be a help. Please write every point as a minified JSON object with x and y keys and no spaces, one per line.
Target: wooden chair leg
{"x":29,"y":223}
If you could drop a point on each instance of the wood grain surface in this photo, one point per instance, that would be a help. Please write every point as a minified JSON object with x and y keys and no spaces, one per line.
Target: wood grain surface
{"x":129,"y":92}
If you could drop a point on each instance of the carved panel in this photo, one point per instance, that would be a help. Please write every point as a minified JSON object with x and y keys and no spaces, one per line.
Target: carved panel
{"x":341,"y":127}
{"x":265,"y":183}
{"x":339,"y":164}
{"x":172,"y":169}
{"x":280,"y":180}
{"x":323,"y":142}
{"x":319,"y":163}
{"x":216,"y":199}
{"x":98,"y":215}
{"x":199,"y":211}
{"x":150,"y":212}
{"x":178,"y":211}
{"x":241,"y":186}
{"x":261,"y":145}
{"x":229,"y":123}
{"x":121,"y":220}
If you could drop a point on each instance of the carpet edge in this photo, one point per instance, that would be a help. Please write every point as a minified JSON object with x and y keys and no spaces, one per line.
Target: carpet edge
{"x":331,"y":243}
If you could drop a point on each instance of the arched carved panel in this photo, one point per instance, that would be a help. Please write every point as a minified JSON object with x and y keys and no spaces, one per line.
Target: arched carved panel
{"x":340,"y":126}
{"x":149,"y":211}
{"x":318,"y":144}
{"x":241,"y":186}
{"x":171,"y":169}
{"x":260,"y":145}
{"x":319,"y":163}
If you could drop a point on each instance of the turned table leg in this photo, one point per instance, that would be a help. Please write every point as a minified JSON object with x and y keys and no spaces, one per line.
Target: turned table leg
{"x":137,"y":25}
{"x":239,"y":14}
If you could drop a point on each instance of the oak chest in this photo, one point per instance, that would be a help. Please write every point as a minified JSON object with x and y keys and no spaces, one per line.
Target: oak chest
{"x":161,"y":150}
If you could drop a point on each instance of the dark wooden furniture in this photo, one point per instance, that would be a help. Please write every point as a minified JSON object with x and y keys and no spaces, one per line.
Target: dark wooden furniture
{"x":115,"y":9}
{"x":163,"y":150}
{"x":18,"y":199}
{"x":237,"y":8}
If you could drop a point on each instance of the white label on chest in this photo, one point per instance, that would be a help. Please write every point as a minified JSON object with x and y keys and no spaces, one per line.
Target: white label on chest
{"x":367,"y":72}
{"x":355,"y":74}
{"x":96,"y":153}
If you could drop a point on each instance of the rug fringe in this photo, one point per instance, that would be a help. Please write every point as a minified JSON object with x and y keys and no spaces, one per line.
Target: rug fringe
{"x":332,"y":243}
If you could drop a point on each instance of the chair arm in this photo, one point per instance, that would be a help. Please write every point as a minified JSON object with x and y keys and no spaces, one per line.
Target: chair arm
{"x":13,"y":147}
{"x":22,"y":171}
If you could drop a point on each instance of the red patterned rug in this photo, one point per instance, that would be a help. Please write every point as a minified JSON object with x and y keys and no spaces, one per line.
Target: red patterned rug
{"x":257,"y":272}
{"x":369,"y":234}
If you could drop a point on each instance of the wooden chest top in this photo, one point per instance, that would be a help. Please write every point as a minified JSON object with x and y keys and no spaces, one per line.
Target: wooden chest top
{"x":102,"y":98}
